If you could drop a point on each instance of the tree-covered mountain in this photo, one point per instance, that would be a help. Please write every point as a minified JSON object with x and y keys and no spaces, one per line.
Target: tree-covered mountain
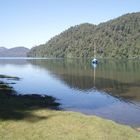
{"x":13,"y":52}
{"x":119,"y":38}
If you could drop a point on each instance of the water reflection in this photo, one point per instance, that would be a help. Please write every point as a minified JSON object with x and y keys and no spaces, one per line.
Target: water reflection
{"x":110,"y":89}
{"x":119,"y":79}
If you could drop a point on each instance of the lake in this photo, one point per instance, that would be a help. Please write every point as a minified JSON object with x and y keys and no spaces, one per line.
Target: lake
{"x":110,"y":90}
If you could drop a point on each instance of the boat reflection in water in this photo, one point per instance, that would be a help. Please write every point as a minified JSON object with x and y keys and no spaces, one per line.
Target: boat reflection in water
{"x":94,"y":65}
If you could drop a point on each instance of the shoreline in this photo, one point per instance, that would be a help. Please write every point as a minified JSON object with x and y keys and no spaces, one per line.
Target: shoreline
{"x":34,"y":116}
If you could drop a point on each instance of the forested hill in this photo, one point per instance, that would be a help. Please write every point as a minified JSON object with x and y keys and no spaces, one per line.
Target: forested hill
{"x":119,"y":38}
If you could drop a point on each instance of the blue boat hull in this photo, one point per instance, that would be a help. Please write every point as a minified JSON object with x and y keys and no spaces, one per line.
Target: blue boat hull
{"x":95,"y":61}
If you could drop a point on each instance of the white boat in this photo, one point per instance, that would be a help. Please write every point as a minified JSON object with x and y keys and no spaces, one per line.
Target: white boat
{"x":94,"y":61}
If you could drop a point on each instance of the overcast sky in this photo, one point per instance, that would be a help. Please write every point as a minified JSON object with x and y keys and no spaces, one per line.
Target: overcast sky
{"x":33,"y":22}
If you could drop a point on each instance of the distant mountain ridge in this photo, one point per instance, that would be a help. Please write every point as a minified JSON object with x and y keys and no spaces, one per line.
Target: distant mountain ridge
{"x":2,"y":49}
{"x":119,"y":38}
{"x":13,"y":52}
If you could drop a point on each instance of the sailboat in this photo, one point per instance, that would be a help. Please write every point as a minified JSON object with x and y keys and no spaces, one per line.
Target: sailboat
{"x":94,"y":60}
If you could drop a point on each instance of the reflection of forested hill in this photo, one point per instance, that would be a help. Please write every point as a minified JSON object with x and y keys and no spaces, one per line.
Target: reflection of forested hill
{"x":113,"y":77}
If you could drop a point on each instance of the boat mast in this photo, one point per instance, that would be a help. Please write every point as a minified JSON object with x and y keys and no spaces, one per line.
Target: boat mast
{"x":95,"y":48}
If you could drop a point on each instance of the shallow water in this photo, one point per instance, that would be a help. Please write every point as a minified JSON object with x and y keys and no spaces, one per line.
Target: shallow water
{"x":110,"y":90}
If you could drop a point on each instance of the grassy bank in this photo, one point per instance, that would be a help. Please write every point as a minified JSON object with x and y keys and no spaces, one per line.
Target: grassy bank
{"x":59,"y":125}
{"x":28,"y":117}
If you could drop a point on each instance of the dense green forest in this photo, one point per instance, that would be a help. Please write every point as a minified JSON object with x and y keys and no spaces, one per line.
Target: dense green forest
{"x":119,"y":38}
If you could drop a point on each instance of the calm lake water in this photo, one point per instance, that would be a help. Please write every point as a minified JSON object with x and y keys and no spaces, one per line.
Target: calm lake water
{"x":110,"y":90}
